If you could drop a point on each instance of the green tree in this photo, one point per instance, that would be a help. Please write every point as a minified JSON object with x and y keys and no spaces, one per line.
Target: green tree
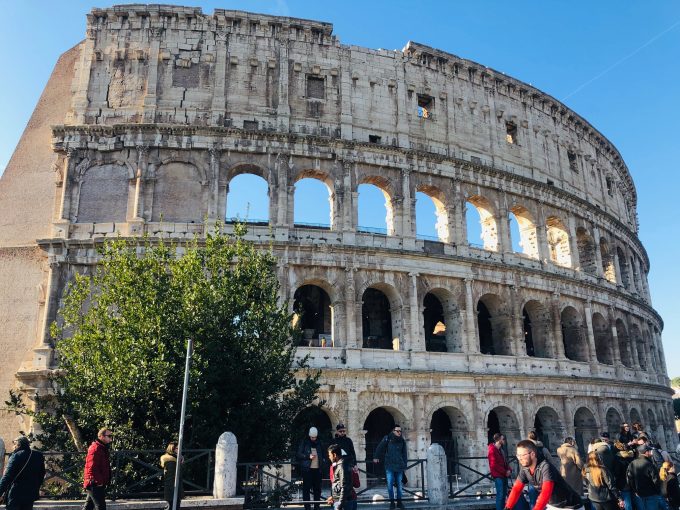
{"x":675,"y":382}
{"x":676,"y":408}
{"x":121,"y":342}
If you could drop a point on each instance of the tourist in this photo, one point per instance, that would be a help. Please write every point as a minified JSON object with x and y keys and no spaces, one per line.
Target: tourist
{"x":346,"y":444}
{"x":343,"y":496}
{"x":670,"y":489}
{"x":622,"y":460}
{"x":542,"y":450}
{"x":23,"y":477}
{"x":97,"y":474}
{"x":602,"y":491}
{"x":603,"y":447}
{"x":554,"y":491}
{"x":310,"y":455}
{"x":626,"y":435}
{"x":169,"y":466}
{"x":392,"y":449}
{"x":571,"y":465}
{"x":499,"y":468}
{"x":643,"y":479}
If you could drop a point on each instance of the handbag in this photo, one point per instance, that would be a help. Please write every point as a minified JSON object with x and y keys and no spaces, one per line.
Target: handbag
{"x":356,"y":481}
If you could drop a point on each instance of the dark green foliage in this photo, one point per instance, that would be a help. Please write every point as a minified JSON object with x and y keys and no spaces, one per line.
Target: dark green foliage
{"x":121,"y":344}
{"x":676,"y":408}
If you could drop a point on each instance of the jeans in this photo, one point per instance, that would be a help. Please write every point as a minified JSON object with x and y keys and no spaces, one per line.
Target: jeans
{"x":501,"y":492}
{"x":392,"y":478}
{"x":627,"y":498}
{"x":651,"y":503}
{"x":533,"y":495}
{"x":311,"y":481}
{"x":96,"y":498}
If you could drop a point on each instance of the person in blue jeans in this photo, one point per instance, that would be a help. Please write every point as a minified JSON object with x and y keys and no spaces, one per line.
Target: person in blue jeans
{"x":392,"y":449}
{"x":499,"y":469}
{"x":643,"y":479}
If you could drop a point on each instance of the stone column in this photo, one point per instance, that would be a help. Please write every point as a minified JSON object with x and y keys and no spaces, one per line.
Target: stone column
{"x":408,"y":228}
{"x":339,"y":323}
{"x":616,"y":354}
{"x":519,"y":345}
{"x":64,"y":209}
{"x":218,"y":102}
{"x":591,"y":334}
{"x":573,"y":244}
{"x":352,"y":341}
{"x":542,"y":236}
{"x":558,"y":339}
{"x":416,"y":342}
{"x":346,"y":131}
{"x":404,"y":104}
{"x":213,"y":204}
{"x":471,"y":338}
{"x":82,"y":79}
{"x":569,"y":429}
{"x":137,"y":206}
{"x":226,"y":454}
{"x":283,"y":110}
{"x":458,"y":219}
{"x":437,"y":476}
{"x":502,"y":220}
{"x":150,"y":99}
{"x":598,"y":253}
{"x":49,"y":299}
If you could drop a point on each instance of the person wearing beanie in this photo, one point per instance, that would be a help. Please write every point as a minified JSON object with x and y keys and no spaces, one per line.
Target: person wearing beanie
{"x":23,"y":477}
{"x":312,"y":457}
{"x":346,"y":444}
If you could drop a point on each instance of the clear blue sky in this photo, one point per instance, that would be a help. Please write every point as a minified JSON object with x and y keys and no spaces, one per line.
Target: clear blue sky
{"x":616,"y":63}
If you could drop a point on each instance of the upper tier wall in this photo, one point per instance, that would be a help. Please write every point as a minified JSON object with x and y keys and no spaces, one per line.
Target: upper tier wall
{"x":175,"y":65}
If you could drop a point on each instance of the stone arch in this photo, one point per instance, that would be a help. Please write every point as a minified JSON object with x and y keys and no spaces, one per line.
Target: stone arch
{"x":624,"y":344}
{"x":548,"y":428}
{"x":487,"y":221}
{"x":326,"y":180}
{"x":528,"y":237}
{"x":558,"y":241}
{"x":179,"y":193}
{"x":103,"y":193}
{"x":536,"y":327}
{"x":377,"y":424}
{"x":608,"y":266}
{"x":634,"y":416}
{"x":381,"y":316}
{"x":440,"y":309}
{"x":603,"y":339}
{"x":586,"y":251}
{"x":585,"y":428}
{"x":504,"y":420}
{"x":314,"y":314}
{"x":573,"y":335}
{"x":623,"y":268}
{"x":248,"y":168}
{"x":313,"y":416}
{"x":494,"y":326}
{"x":449,"y":428}
{"x":441,"y":210}
{"x":613,"y":419}
{"x":387,"y":189}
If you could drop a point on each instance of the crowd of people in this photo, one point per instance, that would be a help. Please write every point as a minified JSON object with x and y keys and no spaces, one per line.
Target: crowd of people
{"x":631,"y":472}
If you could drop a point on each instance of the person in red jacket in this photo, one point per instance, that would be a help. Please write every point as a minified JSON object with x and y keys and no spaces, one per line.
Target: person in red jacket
{"x":97,"y":473}
{"x":499,"y":468}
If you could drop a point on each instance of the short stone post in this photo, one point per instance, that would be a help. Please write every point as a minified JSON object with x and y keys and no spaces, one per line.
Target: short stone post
{"x":437,"y":479}
{"x":226,"y":453}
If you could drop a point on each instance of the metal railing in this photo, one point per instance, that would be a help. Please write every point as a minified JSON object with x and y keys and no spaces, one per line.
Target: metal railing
{"x":465,"y":465}
{"x":135,"y":474}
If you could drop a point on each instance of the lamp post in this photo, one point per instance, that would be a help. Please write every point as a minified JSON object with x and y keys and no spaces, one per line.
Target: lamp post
{"x":180,"y":442}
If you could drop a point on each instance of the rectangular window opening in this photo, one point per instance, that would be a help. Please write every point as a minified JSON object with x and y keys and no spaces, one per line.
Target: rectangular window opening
{"x":374,"y":139}
{"x":511,"y":133}
{"x":250,"y":125}
{"x":315,"y":87}
{"x":573,"y":163}
{"x":425,"y":106}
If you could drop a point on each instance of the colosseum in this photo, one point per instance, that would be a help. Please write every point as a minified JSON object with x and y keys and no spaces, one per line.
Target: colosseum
{"x":143,"y":125}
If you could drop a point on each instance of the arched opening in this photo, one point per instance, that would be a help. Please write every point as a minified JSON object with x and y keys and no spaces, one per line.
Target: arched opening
{"x":634,"y":417}
{"x":536,"y":330}
{"x":558,"y":242}
{"x":652,"y":425}
{"x":312,"y":416}
{"x":103,"y":194}
{"x":586,"y":251}
{"x":623,"y":267}
{"x":640,"y":346}
{"x":313,"y":204}
{"x":374,"y":203}
{"x":603,"y":339}
{"x":614,"y":422}
{"x":435,"y":324}
{"x":523,"y":232}
{"x":548,"y":428}
{"x":624,"y":344}
{"x":481,"y":223}
{"x":377,"y":321}
{"x":585,"y":428}
{"x":573,"y":337}
{"x":441,"y":431}
{"x":314,"y":316}
{"x":608,"y":267}
{"x":248,"y":199}
{"x":178,"y":194}
{"x":430,"y":205}
{"x":502,"y":419}
{"x":494,"y":326}
{"x":378,"y":424}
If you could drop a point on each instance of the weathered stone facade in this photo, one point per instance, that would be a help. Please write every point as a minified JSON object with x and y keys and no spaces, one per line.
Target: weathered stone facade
{"x":168,"y":104}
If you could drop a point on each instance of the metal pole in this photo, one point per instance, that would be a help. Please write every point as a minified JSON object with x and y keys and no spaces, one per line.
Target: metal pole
{"x":180,"y":441}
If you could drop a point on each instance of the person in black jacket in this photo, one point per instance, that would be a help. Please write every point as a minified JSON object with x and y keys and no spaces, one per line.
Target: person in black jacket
{"x":346,"y":444}
{"x":670,"y":489}
{"x":602,"y":490}
{"x":311,"y":455}
{"x":342,"y":496}
{"x":392,"y":449}
{"x":643,"y":479}
{"x":23,"y":477}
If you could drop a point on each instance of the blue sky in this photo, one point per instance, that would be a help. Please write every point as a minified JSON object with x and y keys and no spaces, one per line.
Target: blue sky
{"x":615,"y":62}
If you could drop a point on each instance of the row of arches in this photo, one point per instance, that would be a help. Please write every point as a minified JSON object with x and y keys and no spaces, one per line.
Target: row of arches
{"x":184,"y":191}
{"x":544,"y":330}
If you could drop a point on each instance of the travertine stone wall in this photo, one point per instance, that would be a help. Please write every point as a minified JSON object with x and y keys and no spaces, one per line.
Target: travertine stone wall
{"x":168,"y":105}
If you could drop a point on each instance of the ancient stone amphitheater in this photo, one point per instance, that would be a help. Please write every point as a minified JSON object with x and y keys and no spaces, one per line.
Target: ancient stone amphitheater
{"x":143,"y":125}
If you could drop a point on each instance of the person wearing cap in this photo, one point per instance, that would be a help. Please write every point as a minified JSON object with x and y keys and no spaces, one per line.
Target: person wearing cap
{"x":392,"y":450}
{"x":311,"y":454}
{"x":346,"y":444}
{"x":23,"y":477}
{"x":643,"y":479}
{"x":97,"y":473}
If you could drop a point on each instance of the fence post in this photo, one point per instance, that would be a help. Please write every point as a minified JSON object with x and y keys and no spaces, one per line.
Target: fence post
{"x":226,"y":454}
{"x":437,"y":490}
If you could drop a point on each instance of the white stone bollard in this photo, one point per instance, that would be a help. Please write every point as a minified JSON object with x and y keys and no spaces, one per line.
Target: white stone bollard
{"x":437,"y":480}
{"x":226,"y":453}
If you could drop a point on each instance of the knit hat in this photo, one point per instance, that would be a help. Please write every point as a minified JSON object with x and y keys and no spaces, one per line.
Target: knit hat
{"x":340,"y":426}
{"x":313,"y":432}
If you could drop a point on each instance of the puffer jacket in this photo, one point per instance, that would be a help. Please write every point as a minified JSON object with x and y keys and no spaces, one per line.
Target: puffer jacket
{"x":97,"y":465}
{"x":24,"y":476}
{"x":393,"y":449}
